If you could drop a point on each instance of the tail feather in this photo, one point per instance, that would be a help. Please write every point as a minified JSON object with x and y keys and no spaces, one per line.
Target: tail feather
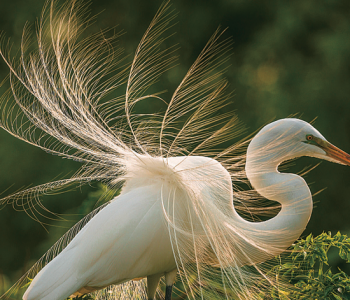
{"x":56,"y":282}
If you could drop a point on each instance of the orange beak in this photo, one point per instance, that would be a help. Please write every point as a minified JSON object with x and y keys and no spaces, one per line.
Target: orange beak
{"x":337,"y":154}
{"x":333,"y":152}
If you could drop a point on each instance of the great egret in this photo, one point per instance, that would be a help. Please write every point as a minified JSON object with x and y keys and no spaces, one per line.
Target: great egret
{"x":175,"y":213}
{"x":116,"y":246}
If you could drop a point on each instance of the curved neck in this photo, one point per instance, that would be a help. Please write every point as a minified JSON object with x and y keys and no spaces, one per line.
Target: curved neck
{"x":273,"y":236}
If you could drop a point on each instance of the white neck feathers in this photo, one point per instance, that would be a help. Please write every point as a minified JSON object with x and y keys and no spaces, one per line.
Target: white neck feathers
{"x":290,"y":190}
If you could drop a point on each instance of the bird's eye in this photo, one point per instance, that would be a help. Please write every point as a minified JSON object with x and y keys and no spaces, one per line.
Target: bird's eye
{"x":309,"y":137}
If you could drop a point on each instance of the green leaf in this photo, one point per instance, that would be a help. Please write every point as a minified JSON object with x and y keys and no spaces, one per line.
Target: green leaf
{"x":309,"y":239}
{"x":337,"y":297}
{"x":343,"y":254}
{"x":304,"y":266}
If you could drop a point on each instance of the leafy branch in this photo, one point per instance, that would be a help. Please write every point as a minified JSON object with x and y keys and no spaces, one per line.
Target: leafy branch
{"x":307,"y":269}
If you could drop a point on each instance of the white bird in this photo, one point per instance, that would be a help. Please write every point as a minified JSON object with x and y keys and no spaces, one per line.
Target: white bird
{"x":175,"y":213}
{"x":129,"y":238}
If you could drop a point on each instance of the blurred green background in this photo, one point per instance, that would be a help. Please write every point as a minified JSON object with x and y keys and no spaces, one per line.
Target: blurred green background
{"x":289,"y":57}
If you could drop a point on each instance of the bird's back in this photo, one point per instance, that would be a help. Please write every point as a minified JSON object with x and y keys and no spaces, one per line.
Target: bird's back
{"x":125,"y":240}
{"x":130,"y":238}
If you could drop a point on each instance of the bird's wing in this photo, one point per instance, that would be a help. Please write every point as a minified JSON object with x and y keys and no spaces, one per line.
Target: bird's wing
{"x":127,"y":239}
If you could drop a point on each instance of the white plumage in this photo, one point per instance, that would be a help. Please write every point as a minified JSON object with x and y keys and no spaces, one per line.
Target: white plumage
{"x":175,"y":212}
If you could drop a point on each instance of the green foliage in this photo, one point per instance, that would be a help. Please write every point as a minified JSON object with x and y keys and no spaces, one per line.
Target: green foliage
{"x":306,"y":267}
{"x":85,"y":297}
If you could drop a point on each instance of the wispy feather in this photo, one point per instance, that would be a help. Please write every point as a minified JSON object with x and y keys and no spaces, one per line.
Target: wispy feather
{"x":64,"y":88}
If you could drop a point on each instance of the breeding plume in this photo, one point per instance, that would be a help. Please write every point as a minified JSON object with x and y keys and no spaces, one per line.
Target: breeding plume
{"x":175,"y":214}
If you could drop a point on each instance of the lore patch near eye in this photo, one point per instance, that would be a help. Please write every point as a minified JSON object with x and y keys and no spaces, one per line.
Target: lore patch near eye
{"x":310,"y":139}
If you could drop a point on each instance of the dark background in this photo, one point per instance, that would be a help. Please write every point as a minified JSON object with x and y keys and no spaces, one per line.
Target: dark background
{"x":289,"y":57}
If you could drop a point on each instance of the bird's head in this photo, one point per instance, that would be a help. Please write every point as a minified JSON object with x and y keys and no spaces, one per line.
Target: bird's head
{"x":289,"y":138}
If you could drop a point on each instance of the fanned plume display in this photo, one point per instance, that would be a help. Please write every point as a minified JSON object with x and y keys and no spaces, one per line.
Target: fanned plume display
{"x":76,"y":96}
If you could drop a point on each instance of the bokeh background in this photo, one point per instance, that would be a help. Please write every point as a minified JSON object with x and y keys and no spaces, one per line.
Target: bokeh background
{"x":288,"y":57}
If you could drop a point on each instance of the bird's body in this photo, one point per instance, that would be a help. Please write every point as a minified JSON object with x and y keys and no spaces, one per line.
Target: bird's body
{"x":127,"y":239}
{"x":175,"y":212}
{"x":130,"y":238}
